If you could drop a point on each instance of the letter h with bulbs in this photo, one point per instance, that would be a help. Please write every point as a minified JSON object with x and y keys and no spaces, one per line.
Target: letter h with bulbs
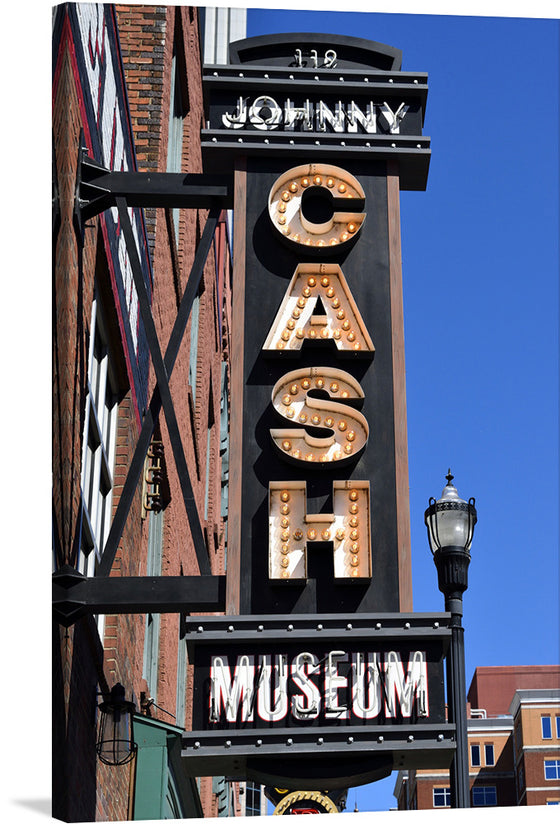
{"x":320,"y":677}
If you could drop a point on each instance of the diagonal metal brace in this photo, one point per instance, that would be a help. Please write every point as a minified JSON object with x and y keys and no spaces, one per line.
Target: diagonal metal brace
{"x":154,"y":408}
{"x":162,"y":378}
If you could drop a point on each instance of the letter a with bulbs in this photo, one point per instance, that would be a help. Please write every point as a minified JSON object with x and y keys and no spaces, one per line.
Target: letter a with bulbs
{"x":320,"y":676}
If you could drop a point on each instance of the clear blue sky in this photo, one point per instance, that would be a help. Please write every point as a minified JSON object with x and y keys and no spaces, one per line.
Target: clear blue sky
{"x":480,"y":270}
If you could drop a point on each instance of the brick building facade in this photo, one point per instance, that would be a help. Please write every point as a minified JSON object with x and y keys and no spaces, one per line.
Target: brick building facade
{"x":127,"y":87}
{"x":514,"y":743}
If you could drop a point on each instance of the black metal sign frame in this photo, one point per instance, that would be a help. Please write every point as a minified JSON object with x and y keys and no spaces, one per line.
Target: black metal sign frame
{"x":320,"y":752}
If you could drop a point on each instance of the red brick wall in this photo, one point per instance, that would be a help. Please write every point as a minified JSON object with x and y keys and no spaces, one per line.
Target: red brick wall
{"x":148,"y":73}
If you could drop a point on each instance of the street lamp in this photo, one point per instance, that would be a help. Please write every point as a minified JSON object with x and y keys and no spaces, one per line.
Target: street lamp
{"x":115,"y":741}
{"x":450,"y":522}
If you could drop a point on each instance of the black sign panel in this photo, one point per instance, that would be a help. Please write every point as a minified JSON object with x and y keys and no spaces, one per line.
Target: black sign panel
{"x":337,"y":97}
{"x":372,"y":686}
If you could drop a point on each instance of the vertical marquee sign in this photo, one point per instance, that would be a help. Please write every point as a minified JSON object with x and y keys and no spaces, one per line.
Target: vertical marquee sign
{"x":321,"y":132}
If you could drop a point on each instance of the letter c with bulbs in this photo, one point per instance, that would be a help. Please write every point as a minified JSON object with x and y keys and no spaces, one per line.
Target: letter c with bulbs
{"x":320,"y":676}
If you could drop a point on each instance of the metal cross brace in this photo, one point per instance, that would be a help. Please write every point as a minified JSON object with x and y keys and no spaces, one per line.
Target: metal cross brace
{"x":161,"y":395}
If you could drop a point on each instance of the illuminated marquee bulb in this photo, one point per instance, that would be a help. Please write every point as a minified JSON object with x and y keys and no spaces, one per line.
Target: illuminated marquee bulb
{"x":342,"y":188}
{"x":293,"y":187}
{"x":330,"y":182}
{"x":334,"y":387}
{"x":305,"y":182}
{"x":311,"y":534}
{"x":281,"y":207}
{"x":317,"y":180}
{"x":330,"y":292}
{"x":285,"y":496}
{"x":325,"y":281}
{"x":286,"y":196}
{"x":311,"y":282}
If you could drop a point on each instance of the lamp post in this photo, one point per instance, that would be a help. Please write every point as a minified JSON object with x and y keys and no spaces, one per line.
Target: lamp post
{"x":450,"y":522}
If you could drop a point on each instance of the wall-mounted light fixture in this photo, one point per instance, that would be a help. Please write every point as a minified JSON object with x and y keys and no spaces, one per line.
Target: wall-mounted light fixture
{"x":115,"y":740}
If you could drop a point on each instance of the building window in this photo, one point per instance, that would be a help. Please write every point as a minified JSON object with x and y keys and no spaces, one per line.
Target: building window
{"x":177,"y":111}
{"x":98,"y":455}
{"x":552,"y":770}
{"x":193,"y":349}
{"x":489,"y":755}
{"x":253,"y":798}
{"x":558,"y":726}
{"x":442,"y":797}
{"x":546,"y":726}
{"x":151,"y":634}
{"x":181,"y":673}
{"x":475,"y":755}
{"x":552,"y":801}
{"x":484,"y":797}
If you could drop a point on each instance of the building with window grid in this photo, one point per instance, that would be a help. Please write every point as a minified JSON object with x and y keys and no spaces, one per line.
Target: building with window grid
{"x":514,"y":743}
{"x":127,"y":94}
